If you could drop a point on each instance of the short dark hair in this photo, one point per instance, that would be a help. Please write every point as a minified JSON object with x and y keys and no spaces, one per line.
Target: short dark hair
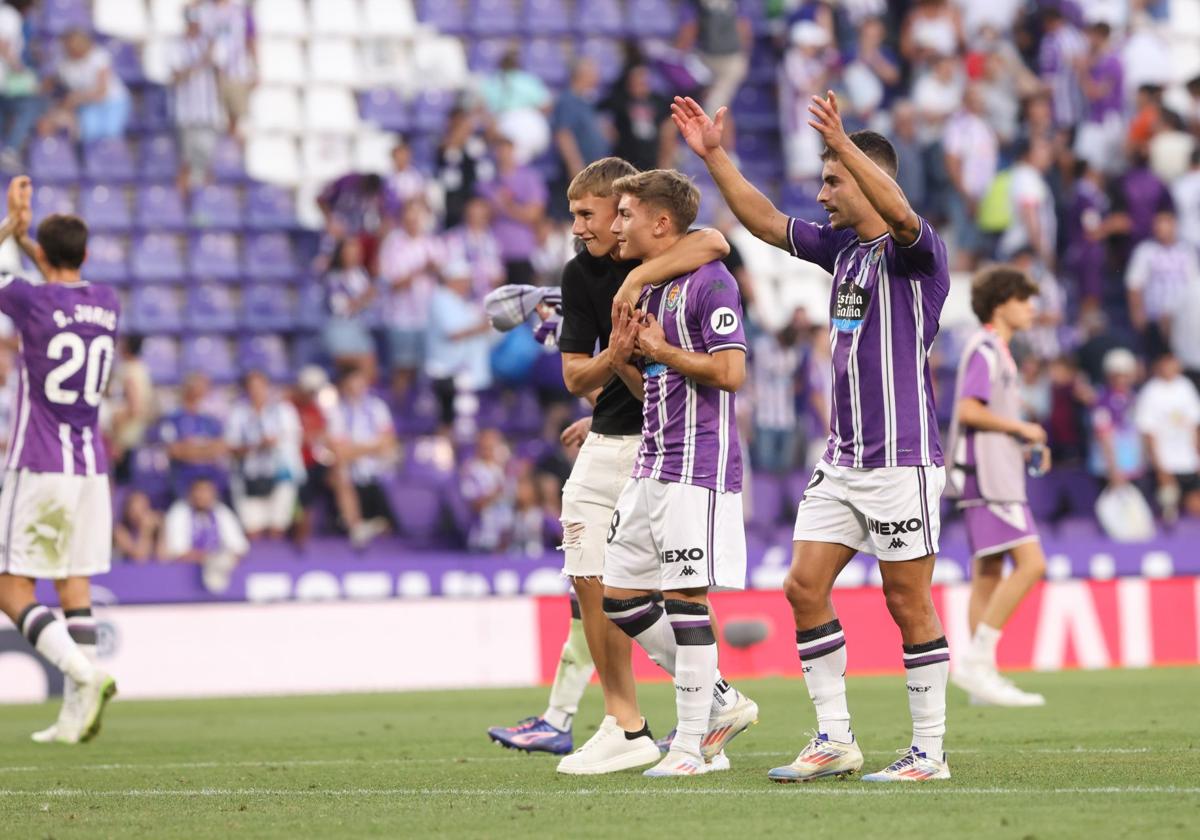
{"x":875,"y":146}
{"x":996,"y":285}
{"x":664,"y":189}
{"x":63,"y":238}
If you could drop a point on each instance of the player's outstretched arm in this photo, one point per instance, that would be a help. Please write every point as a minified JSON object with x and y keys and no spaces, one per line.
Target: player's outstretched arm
{"x":975,"y":414}
{"x":698,"y":248}
{"x":724,"y":369}
{"x":880,"y":188}
{"x":20,"y":210}
{"x":753,"y":209}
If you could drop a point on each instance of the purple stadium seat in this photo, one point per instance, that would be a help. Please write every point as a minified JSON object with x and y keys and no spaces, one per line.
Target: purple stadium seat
{"x":155,"y":309}
{"x":227,"y":163}
{"x":151,"y":112}
{"x":216,"y":207}
{"x":58,"y":16}
{"x":106,"y":208}
{"x":311,"y":310}
{"x":449,"y":17}
{"x":418,"y":509}
{"x":160,"y":207}
{"x":52,"y":160}
{"x":604,"y":17}
{"x":158,"y":159}
{"x":430,"y":109}
{"x":48,"y":200}
{"x":267,"y":353}
{"x":211,"y":308}
{"x":157,"y":256}
{"x":766,"y":497}
{"x":267,"y":308}
{"x":269,"y":256}
{"x":107,"y":259}
{"x":270,"y":208}
{"x":547,"y":59}
{"x":757,"y":109}
{"x":109,"y":160}
{"x":608,"y":54}
{"x":127,"y":62}
{"x":214,"y":255}
{"x":651,"y":19}
{"x":485,"y":53}
{"x":546,"y":17}
{"x":210,"y":355}
{"x":493,"y":17}
{"x":386,"y":108}
{"x":161,"y":354}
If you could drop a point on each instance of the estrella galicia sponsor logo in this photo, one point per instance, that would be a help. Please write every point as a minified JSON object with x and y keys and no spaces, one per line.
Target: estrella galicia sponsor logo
{"x":886,"y":529}
{"x":723,"y":321}
{"x":850,"y":307}
{"x":919,"y":688}
{"x":655,"y":369}
{"x":680,"y":555}
{"x":897,"y":543}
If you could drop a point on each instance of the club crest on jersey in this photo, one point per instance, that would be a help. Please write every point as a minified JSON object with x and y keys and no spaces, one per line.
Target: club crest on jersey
{"x":850,"y":307}
{"x":673,"y":294}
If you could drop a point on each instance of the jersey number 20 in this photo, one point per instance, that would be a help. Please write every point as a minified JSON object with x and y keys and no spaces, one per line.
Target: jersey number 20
{"x":75,"y":352}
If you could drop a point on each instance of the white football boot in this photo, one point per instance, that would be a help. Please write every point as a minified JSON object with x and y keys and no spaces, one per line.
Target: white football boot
{"x":987,"y":688}
{"x":83,"y":722}
{"x":912,"y":766}
{"x":678,"y":763}
{"x":727,"y":725}
{"x":820,"y":759}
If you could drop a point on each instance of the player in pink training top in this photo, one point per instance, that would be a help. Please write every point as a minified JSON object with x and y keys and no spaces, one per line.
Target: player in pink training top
{"x":55,"y":507}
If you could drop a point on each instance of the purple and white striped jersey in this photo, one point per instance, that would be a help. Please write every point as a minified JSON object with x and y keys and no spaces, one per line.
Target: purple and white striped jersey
{"x":884,"y":310}
{"x":68,"y":344}
{"x":689,"y":430}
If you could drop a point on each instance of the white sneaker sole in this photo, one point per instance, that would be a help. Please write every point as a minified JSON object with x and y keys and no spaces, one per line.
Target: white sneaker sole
{"x":640,"y":755}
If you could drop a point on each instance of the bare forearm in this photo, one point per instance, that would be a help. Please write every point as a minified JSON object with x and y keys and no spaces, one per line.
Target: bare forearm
{"x":583,"y":374}
{"x":882,"y":192}
{"x":712,"y":369}
{"x":632,"y":377}
{"x":688,"y":254}
{"x":976,"y":415}
{"x":753,"y":209}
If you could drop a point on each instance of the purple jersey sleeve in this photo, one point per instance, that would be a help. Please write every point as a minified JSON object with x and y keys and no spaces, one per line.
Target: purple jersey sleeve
{"x":719,"y":311}
{"x":813,"y":243}
{"x":926,"y":257}
{"x":14,"y":296}
{"x":977,"y":380}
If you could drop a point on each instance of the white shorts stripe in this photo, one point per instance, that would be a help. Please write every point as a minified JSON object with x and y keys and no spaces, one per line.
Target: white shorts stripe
{"x":68,"y":450}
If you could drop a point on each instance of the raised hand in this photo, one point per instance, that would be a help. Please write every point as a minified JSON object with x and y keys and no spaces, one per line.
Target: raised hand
{"x":575,"y":434}
{"x":828,"y":121}
{"x":703,"y":135}
{"x":651,"y":338}
{"x":20,"y":195}
{"x":622,"y":342}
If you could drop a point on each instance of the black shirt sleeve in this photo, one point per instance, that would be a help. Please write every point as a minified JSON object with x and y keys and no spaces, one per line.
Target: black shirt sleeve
{"x":579,"y":334}
{"x":734,"y":261}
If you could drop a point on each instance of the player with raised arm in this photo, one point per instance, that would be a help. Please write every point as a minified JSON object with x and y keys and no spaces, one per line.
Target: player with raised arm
{"x":678,"y":527}
{"x":877,"y":488}
{"x":55,"y":506}
{"x":596,"y":369}
{"x":989,"y":445}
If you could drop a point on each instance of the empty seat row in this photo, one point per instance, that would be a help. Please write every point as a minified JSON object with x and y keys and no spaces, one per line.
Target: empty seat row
{"x":209,"y":308}
{"x":222,"y":359}
{"x":632,"y":18}
{"x":168,"y":258}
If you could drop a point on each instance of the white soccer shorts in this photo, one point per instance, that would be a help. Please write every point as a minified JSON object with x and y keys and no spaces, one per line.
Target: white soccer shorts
{"x":604,"y":464}
{"x":55,"y":526}
{"x":668,"y":536}
{"x":893,"y":513}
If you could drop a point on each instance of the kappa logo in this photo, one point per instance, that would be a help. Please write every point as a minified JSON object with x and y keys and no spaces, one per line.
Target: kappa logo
{"x":897,"y":543}
{"x":905,"y":526}
{"x":723,"y":321}
{"x":687,"y":571}
{"x":682,"y":554}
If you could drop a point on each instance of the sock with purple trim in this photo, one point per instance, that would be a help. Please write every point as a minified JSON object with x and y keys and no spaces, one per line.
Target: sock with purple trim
{"x":643,"y":620}
{"x":50,"y":638}
{"x":695,"y":671}
{"x":822,"y":652}
{"x":927,"y":667}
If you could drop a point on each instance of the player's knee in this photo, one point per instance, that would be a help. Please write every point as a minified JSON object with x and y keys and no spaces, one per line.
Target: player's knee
{"x":908,"y":605}
{"x":1031,"y":563}
{"x":802,"y":594}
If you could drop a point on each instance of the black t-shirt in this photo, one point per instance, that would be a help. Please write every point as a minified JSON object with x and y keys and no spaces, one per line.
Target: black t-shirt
{"x":588,"y":286}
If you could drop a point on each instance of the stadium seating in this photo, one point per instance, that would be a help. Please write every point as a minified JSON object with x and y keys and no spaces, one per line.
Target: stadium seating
{"x":160,"y":207}
{"x":106,"y":207}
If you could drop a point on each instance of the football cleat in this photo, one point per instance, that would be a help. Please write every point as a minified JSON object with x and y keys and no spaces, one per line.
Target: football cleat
{"x":719,"y":762}
{"x":82,"y":723}
{"x":724,"y":727}
{"x":912,"y":766}
{"x":676,"y":763}
{"x":608,"y":751}
{"x":820,"y":759}
{"x":987,"y":688}
{"x":664,"y":744}
{"x":533,"y":734}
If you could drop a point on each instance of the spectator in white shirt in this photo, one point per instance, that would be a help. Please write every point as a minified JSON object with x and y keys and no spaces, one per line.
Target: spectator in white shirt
{"x":488,"y":488}
{"x":20,"y":103}
{"x":474,"y":243}
{"x":1033,"y":222}
{"x":199,"y":118}
{"x":971,"y":152}
{"x":1168,"y":416}
{"x":363,"y":440}
{"x":457,"y":344}
{"x":803,"y":72}
{"x":406,"y":180}
{"x":1160,"y":272}
{"x":200,"y":529}
{"x":774,"y":372}
{"x":938,"y":94}
{"x":349,"y":292}
{"x":96,"y":103}
{"x":263,"y":433}
{"x":1185,"y":193}
{"x":230,"y":24}
{"x":408,"y":266}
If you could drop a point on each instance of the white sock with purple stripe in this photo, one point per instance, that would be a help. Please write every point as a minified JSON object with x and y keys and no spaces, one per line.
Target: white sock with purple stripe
{"x":927,"y":667}
{"x":695,"y":672}
{"x":823,"y":658}
{"x":50,"y":638}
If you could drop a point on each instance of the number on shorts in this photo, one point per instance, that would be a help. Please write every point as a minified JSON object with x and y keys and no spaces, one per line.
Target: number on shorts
{"x":99,"y":358}
{"x":612,"y":529}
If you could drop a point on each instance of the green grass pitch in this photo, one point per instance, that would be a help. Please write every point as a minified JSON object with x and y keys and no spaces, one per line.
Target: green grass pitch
{"x":1113,"y":754}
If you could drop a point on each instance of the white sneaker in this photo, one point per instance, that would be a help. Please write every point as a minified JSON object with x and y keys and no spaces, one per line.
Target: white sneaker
{"x":912,"y":766}
{"x":819,"y":759}
{"x":83,"y":723}
{"x":719,"y":762}
{"x":608,"y":751}
{"x":988,"y":688}
{"x":678,"y":763}
{"x":364,"y":532}
{"x":727,"y":725}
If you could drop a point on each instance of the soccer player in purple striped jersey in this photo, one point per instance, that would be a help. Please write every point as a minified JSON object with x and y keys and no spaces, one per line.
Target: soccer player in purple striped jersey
{"x":989,"y":446}
{"x":877,"y":488}
{"x":677,"y":527}
{"x":55,"y":508}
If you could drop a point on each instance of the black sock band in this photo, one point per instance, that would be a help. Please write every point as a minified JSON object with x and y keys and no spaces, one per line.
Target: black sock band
{"x":575,"y":614}
{"x":34,"y":619}
{"x":82,"y":612}
{"x":819,"y":632}
{"x":690,"y":623}
{"x":926,"y":647}
{"x":633,"y":615}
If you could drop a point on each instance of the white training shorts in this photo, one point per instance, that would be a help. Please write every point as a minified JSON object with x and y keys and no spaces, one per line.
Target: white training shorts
{"x":893,"y":513}
{"x":55,"y":526}
{"x":601,"y":470}
{"x":668,"y":536}
{"x":272,"y":512}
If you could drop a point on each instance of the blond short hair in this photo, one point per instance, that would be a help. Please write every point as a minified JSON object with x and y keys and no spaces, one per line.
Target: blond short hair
{"x":667,"y":190}
{"x":598,"y":177}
